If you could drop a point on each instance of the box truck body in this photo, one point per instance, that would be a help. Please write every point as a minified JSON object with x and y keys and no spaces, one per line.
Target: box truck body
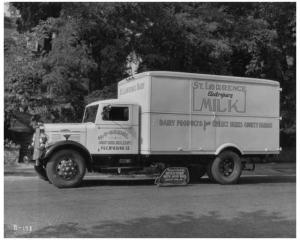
{"x":202,"y":114}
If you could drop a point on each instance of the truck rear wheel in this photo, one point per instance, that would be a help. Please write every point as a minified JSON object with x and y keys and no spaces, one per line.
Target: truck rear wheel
{"x":226,"y":168}
{"x":208,"y":172}
{"x":66,"y":168}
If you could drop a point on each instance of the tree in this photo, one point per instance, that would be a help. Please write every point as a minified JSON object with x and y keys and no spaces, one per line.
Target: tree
{"x":94,"y":41}
{"x":32,"y":13}
{"x":280,"y":61}
{"x":68,"y":66}
{"x":102,"y":28}
{"x":22,"y":74}
{"x":241,"y":39}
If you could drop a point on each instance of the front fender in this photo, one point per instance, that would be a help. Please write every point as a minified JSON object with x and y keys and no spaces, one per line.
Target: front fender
{"x":68,"y":144}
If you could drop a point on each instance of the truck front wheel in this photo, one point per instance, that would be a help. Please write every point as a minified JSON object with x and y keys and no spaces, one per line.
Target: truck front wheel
{"x":66,"y":168}
{"x":226,"y":168}
{"x":41,"y":172}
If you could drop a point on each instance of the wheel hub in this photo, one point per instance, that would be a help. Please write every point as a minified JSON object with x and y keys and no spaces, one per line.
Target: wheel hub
{"x":67,"y":168}
{"x":227,"y":167}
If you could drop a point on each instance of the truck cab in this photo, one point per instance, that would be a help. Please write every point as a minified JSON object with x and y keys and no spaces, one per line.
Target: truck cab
{"x":107,"y":139}
{"x":112,"y":127}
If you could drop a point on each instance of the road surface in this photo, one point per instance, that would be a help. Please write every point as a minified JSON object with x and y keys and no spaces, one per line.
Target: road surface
{"x":263,"y":204}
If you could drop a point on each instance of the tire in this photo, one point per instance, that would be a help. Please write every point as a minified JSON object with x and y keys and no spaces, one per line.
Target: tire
{"x":226,"y":168}
{"x":66,"y":168}
{"x":208,"y":172}
{"x":196,"y":172}
{"x":41,"y":172}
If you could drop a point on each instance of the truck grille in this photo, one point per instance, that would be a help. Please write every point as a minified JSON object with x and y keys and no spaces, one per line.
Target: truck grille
{"x":60,"y":137}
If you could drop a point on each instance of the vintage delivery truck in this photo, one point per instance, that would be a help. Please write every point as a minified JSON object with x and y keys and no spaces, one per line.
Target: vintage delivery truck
{"x":207,"y":123}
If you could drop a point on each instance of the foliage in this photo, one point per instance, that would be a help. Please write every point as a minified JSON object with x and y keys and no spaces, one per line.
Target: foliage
{"x":22,"y":74}
{"x":68,"y":65}
{"x":102,"y":28}
{"x":94,"y":40}
{"x":41,"y":83}
{"x":108,"y":92}
{"x":10,"y":144}
{"x":32,"y":13}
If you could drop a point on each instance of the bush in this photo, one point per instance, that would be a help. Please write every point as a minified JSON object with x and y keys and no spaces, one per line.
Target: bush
{"x":11,"y":153}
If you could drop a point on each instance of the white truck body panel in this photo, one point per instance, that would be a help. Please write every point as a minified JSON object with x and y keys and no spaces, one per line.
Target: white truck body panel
{"x":183,"y":113}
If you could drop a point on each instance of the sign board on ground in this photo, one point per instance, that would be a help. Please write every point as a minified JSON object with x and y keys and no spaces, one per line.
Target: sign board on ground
{"x":173,"y":176}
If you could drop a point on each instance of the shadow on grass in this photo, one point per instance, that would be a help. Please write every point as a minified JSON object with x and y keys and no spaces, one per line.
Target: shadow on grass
{"x":246,"y":225}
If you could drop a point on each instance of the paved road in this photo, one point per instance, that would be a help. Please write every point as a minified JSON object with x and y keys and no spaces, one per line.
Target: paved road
{"x":262,"y":205}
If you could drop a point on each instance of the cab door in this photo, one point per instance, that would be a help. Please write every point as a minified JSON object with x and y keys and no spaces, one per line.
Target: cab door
{"x":117,"y":129}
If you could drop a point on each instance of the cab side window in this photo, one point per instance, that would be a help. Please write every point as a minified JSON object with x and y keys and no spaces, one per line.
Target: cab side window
{"x":111,"y":113}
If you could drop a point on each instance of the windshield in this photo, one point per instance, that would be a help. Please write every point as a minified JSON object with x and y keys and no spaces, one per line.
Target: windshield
{"x":90,"y":114}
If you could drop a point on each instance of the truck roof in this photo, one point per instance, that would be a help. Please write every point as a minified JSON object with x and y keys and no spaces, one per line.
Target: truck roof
{"x":194,"y":76}
{"x":111,"y":101}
